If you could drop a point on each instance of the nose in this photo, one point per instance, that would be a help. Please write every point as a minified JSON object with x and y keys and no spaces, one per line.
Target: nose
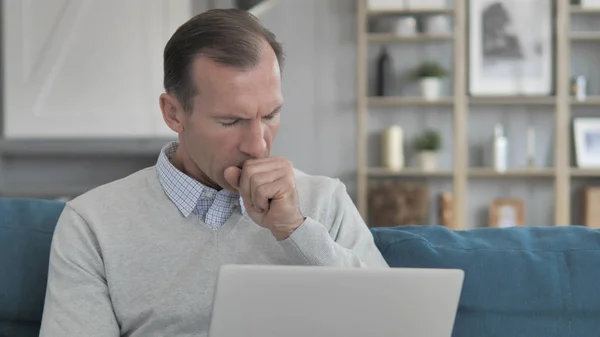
{"x":253,"y":143}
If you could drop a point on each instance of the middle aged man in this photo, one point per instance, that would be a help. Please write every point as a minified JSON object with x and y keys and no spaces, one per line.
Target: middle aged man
{"x":139,"y":256}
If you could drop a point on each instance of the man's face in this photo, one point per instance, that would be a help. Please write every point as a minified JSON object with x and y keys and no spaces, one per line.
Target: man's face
{"x":235,"y":117}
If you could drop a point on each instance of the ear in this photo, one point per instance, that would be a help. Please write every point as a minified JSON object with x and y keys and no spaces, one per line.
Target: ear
{"x":172,"y":112}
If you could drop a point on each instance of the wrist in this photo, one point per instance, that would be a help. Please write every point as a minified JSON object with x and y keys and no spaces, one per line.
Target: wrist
{"x":283,"y":232}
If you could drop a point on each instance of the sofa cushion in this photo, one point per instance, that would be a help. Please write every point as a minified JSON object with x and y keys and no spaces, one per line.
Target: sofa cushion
{"x":520,"y":281}
{"x":26,"y":228}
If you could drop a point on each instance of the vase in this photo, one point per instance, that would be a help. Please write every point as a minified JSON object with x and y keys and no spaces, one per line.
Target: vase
{"x":428,"y":160}
{"x":392,"y":148}
{"x":430,"y":88}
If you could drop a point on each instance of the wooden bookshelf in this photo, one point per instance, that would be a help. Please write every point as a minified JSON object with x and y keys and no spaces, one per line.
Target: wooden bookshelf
{"x":424,"y":11}
{"x":582,"y":10}
{"x":590,"y":101}
{"x":392,"y":38}
{"x":589,"y":173}
{"x":513,"y":100}
{"x":411,"y":101}
{"x":460,"y":105}
{"x":585,"y":36}
{"x":407,"y":172}
{"x":513,"y":173}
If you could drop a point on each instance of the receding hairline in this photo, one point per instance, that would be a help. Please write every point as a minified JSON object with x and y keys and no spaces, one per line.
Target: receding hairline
{"x":228,"y":37}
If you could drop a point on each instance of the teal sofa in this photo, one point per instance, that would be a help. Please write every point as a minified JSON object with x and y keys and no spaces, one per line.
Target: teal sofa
{"x":526,"y":281}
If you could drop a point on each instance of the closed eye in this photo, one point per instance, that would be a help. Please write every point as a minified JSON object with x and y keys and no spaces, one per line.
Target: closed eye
{"x":230,"y":124}
{"x":271,"y":115}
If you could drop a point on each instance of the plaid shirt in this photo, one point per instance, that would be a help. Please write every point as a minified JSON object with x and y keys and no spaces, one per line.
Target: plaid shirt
{"x":191,"y":197}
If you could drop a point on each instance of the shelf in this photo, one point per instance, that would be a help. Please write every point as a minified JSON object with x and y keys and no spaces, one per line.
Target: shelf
{"x":525,"y":173}
{"x":513,"y":100}
{"x":415,"y":11}
{"x":398,"y":101}
{"x":581,"y":10}
{"x":590,"y":100}
{"x":390,"y":38}
{"x":83,"y":147}
{"x":585,"y":36}
{"x":407,"y":172}
{"x":590,"y":173}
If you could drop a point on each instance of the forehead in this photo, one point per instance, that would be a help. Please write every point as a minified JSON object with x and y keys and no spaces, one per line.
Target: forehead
{"x":222,"y":87}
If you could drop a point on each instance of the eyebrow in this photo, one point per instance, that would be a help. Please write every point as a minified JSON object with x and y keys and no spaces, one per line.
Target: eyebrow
{"x":275,"y":111}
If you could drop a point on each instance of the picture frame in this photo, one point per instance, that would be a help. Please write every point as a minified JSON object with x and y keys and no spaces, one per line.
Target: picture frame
{"x":506,"y":212}
{"x":586,"y":133}
{"x":508,"y":55}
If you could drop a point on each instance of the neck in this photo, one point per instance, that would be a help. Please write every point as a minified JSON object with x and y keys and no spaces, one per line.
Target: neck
{"x":184,"y":163}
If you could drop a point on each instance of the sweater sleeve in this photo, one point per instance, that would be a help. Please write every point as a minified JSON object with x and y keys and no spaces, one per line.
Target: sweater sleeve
{"x":348,"y":243}
{"x":77,"y":299}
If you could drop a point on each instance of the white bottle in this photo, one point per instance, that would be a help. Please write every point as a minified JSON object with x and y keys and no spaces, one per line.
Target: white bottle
{"x":500,"y":148}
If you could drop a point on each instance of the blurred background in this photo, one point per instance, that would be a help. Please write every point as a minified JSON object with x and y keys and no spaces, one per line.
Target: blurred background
{"x":448,"y":112}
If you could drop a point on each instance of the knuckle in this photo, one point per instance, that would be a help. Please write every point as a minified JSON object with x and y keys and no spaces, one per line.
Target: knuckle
{"x":260,"y":191}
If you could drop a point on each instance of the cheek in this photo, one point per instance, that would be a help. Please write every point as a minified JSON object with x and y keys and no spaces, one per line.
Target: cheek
{"x":272,"y":131}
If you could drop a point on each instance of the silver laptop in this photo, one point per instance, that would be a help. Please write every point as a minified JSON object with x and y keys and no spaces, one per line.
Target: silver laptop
{"x":291,"y":301}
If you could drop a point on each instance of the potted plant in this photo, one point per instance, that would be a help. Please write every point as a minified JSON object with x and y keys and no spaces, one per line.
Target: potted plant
{"x":427,"y":145}
{"x":429,"y":74}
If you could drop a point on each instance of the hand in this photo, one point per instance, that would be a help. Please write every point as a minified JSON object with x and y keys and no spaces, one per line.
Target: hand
{"x":268,"y":188}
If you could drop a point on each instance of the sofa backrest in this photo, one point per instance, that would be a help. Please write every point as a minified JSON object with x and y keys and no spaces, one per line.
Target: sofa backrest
{"x":520,"y":281}
{"x":26,"y":228}
{"x":525,"y":281}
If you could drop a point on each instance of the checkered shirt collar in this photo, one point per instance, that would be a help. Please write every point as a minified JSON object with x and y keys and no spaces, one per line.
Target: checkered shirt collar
{"x":183,"y":190}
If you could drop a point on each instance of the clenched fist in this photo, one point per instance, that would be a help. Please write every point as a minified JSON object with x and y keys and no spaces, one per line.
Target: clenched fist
{"x":268,"y":188}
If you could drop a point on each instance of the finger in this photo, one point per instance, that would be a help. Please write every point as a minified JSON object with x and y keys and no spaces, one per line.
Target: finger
{"x":259,"y":179}
{"x":264,"y":193}
{"x":266,"y":164}
{"x":252,"y":167}
{"x":232,"y":176}
{"x":244,"y":186}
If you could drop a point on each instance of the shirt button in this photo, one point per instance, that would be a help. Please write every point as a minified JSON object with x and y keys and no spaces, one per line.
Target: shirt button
{"x":210,"y":194}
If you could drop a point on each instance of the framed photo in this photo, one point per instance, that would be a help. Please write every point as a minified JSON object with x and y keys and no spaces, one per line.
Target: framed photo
{"x":586,"y":132}
{"x":509,"y":54}
{"x":507,"y":213}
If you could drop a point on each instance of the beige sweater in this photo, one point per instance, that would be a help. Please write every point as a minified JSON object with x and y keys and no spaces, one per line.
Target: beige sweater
{"x":125,"y":262}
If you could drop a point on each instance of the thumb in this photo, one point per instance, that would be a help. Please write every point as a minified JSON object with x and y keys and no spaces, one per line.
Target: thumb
{"x":232,"y":176}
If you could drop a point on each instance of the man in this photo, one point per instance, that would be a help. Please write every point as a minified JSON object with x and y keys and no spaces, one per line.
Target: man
{"x":139,"y":256}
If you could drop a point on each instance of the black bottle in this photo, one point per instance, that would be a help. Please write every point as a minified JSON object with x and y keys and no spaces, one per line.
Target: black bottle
{"x":385,"y":73}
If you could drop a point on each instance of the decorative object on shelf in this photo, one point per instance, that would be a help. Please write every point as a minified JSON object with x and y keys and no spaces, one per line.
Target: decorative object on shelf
{"x":405,"y":26}
{"x":506,"y":212}
{"x":507,"y":55}
{"x":591,"y":211}
{"x":587,"y":142}
{"x":392,"y":146}
{"x":446,"y":209}
{"x":590,"y":3}
{"x":435,"y":24}
{"x":395,"y":204}
{"x":385,"y":73}
{"x":429,"y":75}
{"x":579,"y":88}
{"x":531,"y":147}
{"x":427,"y":4}
{"x":427,"y":145}
{"x":383,"y":5}
{"x":499,"y":151}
